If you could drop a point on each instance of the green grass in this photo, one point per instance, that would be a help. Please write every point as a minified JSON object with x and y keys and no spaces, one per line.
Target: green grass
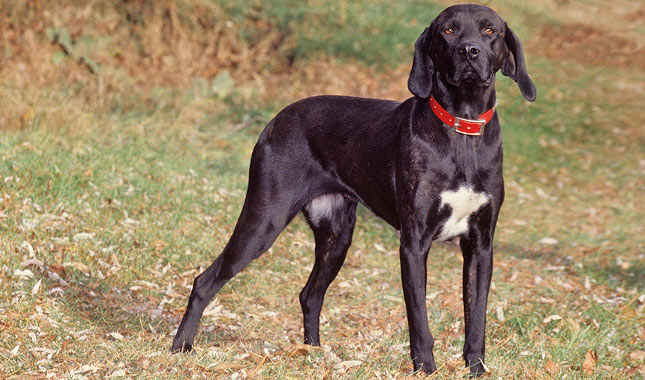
{"x":114,"y":207}
{"x":381,"y":30}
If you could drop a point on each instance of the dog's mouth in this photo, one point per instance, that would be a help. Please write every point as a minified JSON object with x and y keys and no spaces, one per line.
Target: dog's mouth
{"x":469,"y":75}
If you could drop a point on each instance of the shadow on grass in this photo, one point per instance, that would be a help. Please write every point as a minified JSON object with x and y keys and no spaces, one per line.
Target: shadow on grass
{"x":604,"y":271}
{"x":112,"y":310}
{"x":617,"y":276}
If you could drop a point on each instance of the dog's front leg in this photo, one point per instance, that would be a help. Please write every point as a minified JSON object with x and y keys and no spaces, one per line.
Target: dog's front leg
{"x":414,"y":253}
{"x":477,"y":250}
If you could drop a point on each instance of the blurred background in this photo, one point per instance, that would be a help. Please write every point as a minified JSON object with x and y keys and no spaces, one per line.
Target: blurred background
{"x":125,"y":133}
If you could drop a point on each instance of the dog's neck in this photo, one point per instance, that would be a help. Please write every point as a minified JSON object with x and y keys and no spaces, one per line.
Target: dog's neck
{"x":466,"y":101}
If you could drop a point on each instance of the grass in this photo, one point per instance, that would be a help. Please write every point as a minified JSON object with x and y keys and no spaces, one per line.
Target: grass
{"x":111,"y":204}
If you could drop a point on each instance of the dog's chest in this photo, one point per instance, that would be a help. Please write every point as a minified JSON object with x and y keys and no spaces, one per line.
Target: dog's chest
{"x":461,"y":203}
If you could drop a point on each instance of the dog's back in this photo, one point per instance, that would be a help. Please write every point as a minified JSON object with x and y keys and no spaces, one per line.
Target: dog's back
{"x":332,"y":131}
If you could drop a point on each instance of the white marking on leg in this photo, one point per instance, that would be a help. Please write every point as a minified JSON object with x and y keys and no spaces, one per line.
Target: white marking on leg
{"x":463,"y":203}
{"x":323,"y":207}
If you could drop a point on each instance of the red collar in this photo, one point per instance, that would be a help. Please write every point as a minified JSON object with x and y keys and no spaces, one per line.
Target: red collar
{"x":463,"y":126}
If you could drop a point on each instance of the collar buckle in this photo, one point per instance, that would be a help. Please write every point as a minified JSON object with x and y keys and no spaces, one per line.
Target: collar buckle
{"x":469,"y":127}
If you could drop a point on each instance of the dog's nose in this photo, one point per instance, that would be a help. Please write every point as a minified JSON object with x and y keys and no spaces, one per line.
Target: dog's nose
{"x":469,"y":50}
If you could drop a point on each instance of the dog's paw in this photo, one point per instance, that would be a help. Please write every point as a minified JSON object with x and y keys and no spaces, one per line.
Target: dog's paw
{"x":477,"y":369}
{"x":427,"y":368}
{"x":181,"y":347}
{"x":474,"y":374}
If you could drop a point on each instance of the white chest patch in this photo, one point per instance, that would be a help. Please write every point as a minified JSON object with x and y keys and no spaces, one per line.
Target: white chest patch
{"x":463,"y":202}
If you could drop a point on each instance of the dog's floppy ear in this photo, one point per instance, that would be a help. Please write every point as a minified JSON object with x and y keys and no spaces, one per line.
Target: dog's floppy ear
{"x":514,"y":66}
{"x":420,"y":80}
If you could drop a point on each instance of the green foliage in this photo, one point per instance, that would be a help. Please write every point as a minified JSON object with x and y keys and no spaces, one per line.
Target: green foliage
{"x":375,"y":32}
{"x":110,"y":207}
{"x":222,"y":85}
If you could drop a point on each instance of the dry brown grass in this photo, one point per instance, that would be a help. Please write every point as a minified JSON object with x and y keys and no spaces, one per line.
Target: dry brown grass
{"x":158,"y":176}
{"x":138,"y":45}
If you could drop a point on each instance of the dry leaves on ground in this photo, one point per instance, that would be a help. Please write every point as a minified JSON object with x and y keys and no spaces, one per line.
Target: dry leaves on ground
{"x":590,"y":361}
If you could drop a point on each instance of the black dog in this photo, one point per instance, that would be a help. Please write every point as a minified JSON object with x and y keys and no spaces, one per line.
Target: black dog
{"x":431,"y":167}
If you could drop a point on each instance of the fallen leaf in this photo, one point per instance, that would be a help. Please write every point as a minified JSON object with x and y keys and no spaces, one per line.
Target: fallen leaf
{"x":450,"y":368}
{"x":119,"y":373}
{"x":590,"y":361}
{"x":23,"y":273}
{"x":84,"y":369}
{"x":147,"y":284}
{"x":143,"y":362}
{"x":631,"y":371}
{"x":36,"y":287}
{"x":550,"y":318}
{"x":116,"y":336}
{"x":83,"y":236}
{"x":33,"y":262}
{"x":80,"y":267}
{"x":548,"y":241}
{"x":28,"y":247}
{"x":348,"y":364}
{"x":301,"y":350}
{"x":58,"y":269}
{"x":638,"y":356}
{"x":44,"y":350}
{"x":551,"y":367}
{"x":296,"y":349}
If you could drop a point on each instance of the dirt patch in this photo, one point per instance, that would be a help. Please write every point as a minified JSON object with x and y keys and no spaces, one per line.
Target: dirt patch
{"x":588,"y":46}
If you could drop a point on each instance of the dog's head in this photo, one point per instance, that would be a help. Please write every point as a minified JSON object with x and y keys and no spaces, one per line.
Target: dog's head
{"x":466,"y":45}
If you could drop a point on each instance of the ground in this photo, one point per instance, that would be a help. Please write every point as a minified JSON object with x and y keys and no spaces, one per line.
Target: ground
{"x":126,"y":130}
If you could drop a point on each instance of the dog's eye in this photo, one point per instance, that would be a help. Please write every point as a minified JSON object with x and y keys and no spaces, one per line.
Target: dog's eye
{"x":489,"y":31}
{"x":449,"y":31}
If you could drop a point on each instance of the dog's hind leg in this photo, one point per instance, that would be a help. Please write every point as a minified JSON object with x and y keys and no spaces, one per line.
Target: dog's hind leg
{"x":332,"y":218}
{"x":271,"y":202}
